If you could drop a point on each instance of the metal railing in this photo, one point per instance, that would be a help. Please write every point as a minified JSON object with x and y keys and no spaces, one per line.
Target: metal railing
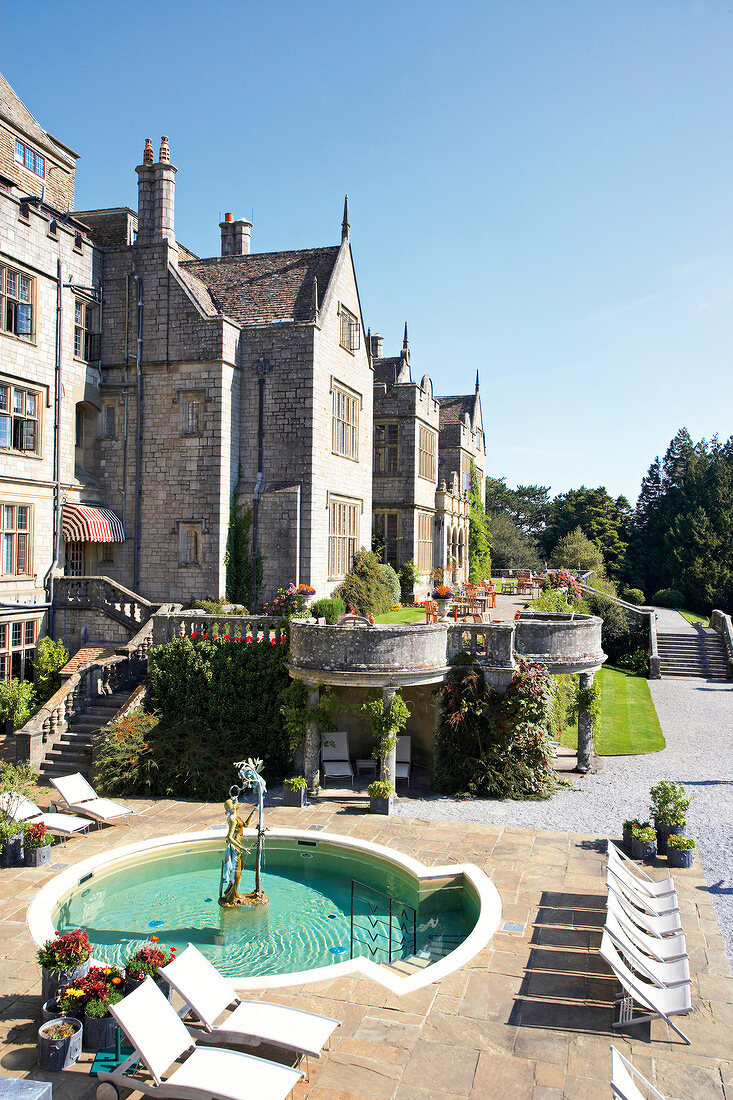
{"x":400,"y":933}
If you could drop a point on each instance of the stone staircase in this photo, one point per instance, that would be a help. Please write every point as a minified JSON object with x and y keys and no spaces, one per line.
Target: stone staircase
{"x":699,"y":655}
{"x":436,"y":948}
{"x":72,"y":752}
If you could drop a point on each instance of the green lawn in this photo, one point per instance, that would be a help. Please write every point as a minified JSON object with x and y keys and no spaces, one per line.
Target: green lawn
{"x":692,"y":617}
{"x":406,"y":615}
{"x":628,"y":725}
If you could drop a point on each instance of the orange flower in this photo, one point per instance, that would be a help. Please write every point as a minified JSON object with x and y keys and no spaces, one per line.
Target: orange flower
{"x":117,"y":981}
{"x":153,"y":939}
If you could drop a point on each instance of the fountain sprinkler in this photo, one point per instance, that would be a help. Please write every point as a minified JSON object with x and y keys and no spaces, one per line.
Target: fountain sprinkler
{"x":230,"y":898}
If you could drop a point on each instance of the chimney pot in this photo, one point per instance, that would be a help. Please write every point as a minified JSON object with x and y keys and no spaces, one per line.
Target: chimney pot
{"x":148,"y":151}
{"x":165,"y":153}
{"x":228,"y":217}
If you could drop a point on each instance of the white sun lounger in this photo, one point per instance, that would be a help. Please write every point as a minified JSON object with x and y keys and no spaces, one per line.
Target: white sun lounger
{"x":663,"y":949}
{"x":81,"y":796}
{"x":335,"y":761}
{"x":635,"y":875}
{"x":662,"y":973}
{"x":624,"y":1077}
{"x":403,"y":754}
{"x":666,"y":926}
{"x":661,"y":1003}
{"x":22,"y":809}
{"x":159,"y":1038}
{"x":655,"y":906}
{"x":209,"y":994}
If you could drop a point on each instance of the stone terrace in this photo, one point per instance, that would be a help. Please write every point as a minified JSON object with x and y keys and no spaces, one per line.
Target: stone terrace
{"x":529,"y":1017}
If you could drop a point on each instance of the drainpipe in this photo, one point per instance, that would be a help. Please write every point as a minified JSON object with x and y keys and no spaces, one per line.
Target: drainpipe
{"x":49,"y":578}
{"x":139,"y":440}
{"x":263,"y":368}
{"x":297,"y":534}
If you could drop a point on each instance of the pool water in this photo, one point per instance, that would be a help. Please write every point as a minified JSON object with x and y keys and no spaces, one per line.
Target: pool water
{"x":307,"y":924}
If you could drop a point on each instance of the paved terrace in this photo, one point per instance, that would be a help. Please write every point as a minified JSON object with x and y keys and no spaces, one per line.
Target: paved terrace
{"x":530,"y":1017}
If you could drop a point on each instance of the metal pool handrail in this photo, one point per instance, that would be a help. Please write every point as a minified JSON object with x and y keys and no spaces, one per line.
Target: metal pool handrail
{"x":406,"y":909}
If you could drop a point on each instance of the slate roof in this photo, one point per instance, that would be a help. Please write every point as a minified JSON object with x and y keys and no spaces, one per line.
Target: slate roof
{"x":265,"y":286}
{"x":453,"y":408}
{"x":387,"y":370}
{"x":17,"y":114}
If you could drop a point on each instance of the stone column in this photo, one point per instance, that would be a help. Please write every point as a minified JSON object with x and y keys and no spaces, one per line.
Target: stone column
{"x":388,"y":763}
{"x":312,"y":749}
{"x":585,"y":729}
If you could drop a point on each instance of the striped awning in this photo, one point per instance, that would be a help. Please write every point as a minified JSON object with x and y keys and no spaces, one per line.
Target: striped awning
{"x":84,"y":523}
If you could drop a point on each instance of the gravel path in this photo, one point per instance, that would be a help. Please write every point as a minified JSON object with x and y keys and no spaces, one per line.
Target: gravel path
{"x":697,"y":720}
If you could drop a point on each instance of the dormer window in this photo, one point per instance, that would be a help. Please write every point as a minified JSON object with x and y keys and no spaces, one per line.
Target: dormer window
{"x":30,"y":159}
{"x":350,"y":330}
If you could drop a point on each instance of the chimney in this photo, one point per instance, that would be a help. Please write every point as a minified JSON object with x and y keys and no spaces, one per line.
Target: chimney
{"x":377,"y":345}
{"x":156,"y":189}
{"x":235,"y":236}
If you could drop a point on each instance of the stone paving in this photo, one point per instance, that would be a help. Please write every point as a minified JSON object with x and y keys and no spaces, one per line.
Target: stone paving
{"x":529,"y":1017}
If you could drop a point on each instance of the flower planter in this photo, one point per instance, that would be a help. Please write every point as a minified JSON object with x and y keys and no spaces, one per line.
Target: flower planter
{"x":443,"y":607}
{"x":99,"y":1033}
{"x":381,"y":805}
{"x":52,"y":980}
{"x":162,"y":984}
{"x":644,"y":849}
{"x":12,"y":851}
{"x":297,"y":798}
{"x":57,"y":1054}
{"x":51,"y":1010}
{"x":664,"y":832}
{"x":37,"y":857}
{"x":680,"y":857}
{"x":627,"y":839}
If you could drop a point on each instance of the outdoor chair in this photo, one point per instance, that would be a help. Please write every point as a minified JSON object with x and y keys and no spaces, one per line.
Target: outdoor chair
{"x":159,"y":1038}
{"x":661,"y":948}
{"x":431,"y":611}
{"x":660,"y":1003}
{"x":663,"y":974}
{"x":20,"y":808}
{"x":624,"y":1077}
{"x":403,"y":765}
{"x":655,"y":906}
{"x":208,"y":994}
{"x":636,"y":877}
{"x":335,"y":758}
{"x":667,"y":926}
{"x":81,"y":796}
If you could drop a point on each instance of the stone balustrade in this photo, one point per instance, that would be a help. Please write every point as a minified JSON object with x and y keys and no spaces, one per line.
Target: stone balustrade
{"x":104,"y":676}
{"x":102,"y":594}
{"x":169,"y":625}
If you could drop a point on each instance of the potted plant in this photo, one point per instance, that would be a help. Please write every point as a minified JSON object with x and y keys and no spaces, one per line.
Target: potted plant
{"x":99,"y":1026}
{"x":628,"y":826}
{"x":37,"y":845}
{"x":63,"y":960}
{"x":59,"y":1043}
{"x":295,"y":791}
{"x":88,"y":999}
{"x":680,"y":850}
{"x":669,"y":806}
{"x":443,"y":595}
{"x":146,"y":962}
{"x":381,"y":795}
{"x":644,"y":843}
{"x":11,"y":838}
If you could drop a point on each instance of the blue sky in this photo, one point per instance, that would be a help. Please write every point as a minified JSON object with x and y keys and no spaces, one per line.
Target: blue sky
{"x":542,"y":189}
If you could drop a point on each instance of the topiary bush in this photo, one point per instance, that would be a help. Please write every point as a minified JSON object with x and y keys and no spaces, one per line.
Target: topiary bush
{"x":365,"y":586}
{"x":495,"y":746}
{"x":632,"y":595}
{"x":393,"y":581}
{"x":328,"y":609}
{"x":668,"y":597}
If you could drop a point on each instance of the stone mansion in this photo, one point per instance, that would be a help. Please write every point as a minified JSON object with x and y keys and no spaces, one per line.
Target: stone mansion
{"x":143,"y":390}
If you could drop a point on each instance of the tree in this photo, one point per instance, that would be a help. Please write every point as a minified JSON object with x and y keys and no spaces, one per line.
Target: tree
{"x":528,"y":506}
{"x":576,"y":551}
{"x":50,"y":657}
{"x":605,"y":521}
{"x":510,"y":549}
{"x":479,"y":542}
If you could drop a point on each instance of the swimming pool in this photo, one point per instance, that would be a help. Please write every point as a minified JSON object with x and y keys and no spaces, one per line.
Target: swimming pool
{"x":334,"y":902}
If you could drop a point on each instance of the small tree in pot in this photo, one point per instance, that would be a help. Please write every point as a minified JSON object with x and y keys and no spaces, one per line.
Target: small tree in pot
{"x":644,"y":843}
{"x":146,"y":962}
{"x":669,"y":806}
{"x":37,"y":845}
{"x":680,"y":851}
{"x":294,"y":793}
{"x":63,"y":960}
{"x":381,"y":795}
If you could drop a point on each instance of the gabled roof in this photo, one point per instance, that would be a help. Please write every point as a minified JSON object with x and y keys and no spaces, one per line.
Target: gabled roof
{"x":391,"y":370}
{"x":266,"y":286}
{"x":452,"y":409}
{"x":17,"y":114}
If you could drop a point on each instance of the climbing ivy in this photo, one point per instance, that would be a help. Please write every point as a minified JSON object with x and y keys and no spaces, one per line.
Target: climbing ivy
{"x":298,"y":713}
{"x":238,"y":559}
{"x":386,"y":722}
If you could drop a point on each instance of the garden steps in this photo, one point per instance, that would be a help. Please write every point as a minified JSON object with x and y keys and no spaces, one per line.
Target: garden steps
{"x":699,"y":655}
{"x":72,"y":752}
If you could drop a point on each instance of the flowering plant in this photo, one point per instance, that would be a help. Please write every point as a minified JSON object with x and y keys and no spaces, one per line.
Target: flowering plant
{"x":37,"y":836}
{"x":561,"y":578}
{"x":148,"y":960}
{"x":443,"y":592}
{"x":285,"y":603}
{"x":98,"y":984}
{"x":306,"y":590}
{"x":67,"y":952}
